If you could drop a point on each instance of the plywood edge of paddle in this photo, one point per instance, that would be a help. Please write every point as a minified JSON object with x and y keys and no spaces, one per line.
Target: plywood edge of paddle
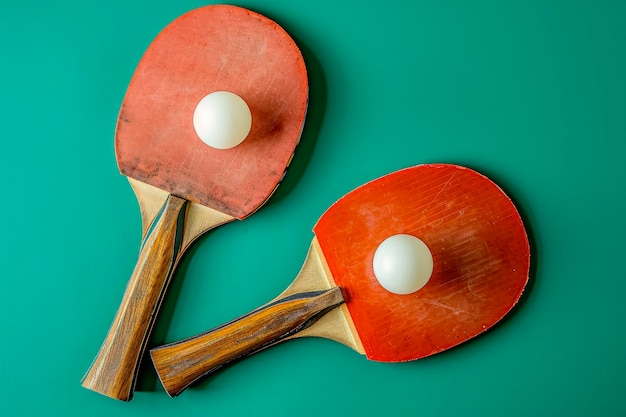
{"x":336,"y":324}
{"x":199,"y":218}
{"x":150,"y":199}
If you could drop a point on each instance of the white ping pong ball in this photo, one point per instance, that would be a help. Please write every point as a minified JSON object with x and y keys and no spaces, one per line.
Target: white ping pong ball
{"x":403,"y":264}
{"x":222,"y":120}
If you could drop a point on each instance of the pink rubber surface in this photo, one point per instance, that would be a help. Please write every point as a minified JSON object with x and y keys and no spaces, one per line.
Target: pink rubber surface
{"x":210,"y":49}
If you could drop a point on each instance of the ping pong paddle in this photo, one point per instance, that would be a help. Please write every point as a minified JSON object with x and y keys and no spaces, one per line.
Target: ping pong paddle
{"x":185,"y":187}
{"x":480,"y":260}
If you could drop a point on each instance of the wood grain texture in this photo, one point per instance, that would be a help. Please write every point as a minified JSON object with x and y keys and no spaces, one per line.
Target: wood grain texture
{"x":180,"y":364}
{"x":210,"y":49}
{"x":200,"y":219}
{"x":169,"y":226}
{"x":113,"y":372}
{"x":336,"y":324}
{"x":480,"y":251}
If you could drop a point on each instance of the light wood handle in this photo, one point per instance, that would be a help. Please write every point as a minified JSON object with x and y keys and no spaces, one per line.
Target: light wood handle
{"x":114,"y":370}
{"x":181,"y":363}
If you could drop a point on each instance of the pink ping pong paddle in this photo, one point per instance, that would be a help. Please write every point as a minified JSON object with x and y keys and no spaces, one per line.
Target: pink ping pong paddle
{"x":184,"y":186}
{"x":480,"y":261}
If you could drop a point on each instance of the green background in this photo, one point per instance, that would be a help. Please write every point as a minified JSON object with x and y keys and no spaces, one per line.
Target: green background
{"x":530,"y":93}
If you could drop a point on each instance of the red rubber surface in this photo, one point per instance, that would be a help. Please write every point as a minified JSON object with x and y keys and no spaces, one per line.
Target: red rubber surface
{"x":479,"y":246}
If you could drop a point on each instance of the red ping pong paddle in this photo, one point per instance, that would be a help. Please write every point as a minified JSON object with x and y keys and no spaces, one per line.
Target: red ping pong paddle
{"x":480,"y":257}
{"x":184,"y":186}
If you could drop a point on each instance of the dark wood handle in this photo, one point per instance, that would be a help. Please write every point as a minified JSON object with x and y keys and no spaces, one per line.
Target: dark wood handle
{"x":181,"y":363}
{"x":114,"y":370}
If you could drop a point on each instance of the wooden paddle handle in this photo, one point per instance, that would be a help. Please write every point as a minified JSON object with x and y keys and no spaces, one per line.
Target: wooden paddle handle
{"x":114,"y":370}
{"x":181,"y":363}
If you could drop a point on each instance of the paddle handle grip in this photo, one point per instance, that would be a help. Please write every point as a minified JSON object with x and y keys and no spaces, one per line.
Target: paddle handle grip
{"x":181,"y":363}
{"x":114,"y":370}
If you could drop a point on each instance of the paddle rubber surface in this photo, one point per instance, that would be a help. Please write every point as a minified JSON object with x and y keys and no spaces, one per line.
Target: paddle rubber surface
{"x":214,"y":48}
{"x":480,"y":252}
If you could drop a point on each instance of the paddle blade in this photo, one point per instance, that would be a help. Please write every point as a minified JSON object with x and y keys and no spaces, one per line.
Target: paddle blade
{"x":479,"y":247}
{"x":214,"y":48}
